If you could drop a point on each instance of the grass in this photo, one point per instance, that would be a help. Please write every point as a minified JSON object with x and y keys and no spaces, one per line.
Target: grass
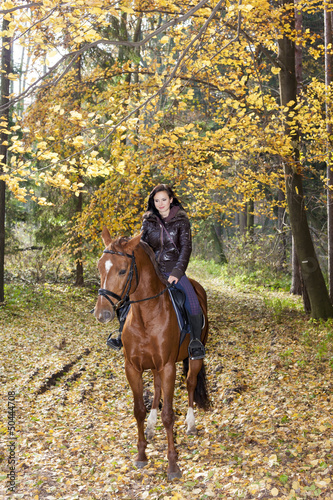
{"x":243,"y":281}
{"x":241,"y":276}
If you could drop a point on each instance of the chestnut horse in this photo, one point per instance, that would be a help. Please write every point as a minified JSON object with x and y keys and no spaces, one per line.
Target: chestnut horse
{"x":150,"y":337}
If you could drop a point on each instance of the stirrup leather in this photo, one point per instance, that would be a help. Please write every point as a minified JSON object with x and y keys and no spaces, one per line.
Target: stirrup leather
{"x":196,"y":349}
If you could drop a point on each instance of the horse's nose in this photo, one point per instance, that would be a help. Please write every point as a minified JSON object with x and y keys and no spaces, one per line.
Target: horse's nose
{"x":104,"y":316}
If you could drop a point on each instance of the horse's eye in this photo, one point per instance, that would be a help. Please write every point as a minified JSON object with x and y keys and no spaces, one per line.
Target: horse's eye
{"x":122,"y":271}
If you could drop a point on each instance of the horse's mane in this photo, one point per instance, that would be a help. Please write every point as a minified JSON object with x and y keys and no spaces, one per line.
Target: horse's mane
{"x":118,"y":245}
{"x":150,"y":252}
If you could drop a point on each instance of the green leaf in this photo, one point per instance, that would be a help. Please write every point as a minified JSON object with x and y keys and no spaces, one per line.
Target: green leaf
{"x":284,"y":478}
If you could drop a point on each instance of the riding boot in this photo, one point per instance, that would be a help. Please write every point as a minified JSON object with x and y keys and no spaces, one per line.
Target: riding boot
{"x":196,"y":348}
{"x":116,"y":343}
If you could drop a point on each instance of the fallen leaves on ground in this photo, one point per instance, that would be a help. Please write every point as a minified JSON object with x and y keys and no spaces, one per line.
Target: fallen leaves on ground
{"x":267,"y":436}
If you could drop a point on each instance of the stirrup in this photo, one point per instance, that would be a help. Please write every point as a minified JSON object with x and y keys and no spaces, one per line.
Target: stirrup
{"x":115,"y":343}
{"x":196,"y":349}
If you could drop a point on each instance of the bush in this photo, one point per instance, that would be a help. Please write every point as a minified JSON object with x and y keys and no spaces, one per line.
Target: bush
{"x":254,"y":260}
{"x":42,"y":265}
{"x":257,"y":260}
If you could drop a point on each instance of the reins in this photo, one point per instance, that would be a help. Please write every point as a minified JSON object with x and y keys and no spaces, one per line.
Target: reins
{"x":124,"y":297}
{"x":153,"y":297}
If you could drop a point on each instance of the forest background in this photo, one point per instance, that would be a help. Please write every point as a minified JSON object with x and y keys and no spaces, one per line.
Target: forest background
{"x":229,"y":102}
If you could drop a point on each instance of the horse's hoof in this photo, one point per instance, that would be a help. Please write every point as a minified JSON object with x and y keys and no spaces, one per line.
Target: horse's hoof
{"x":174,"y":475}
{"x":140,"y":465}
{"x":149,"y":435}
{"x":192,"y":432}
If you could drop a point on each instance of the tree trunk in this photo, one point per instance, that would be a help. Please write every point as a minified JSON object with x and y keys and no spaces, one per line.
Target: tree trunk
{"x":218,"y":244}
{"x":281,"y":230}
{"x":2,"y":235}
{"x":250,"y":217}
{"x":242,"y":219}
{"x":297,"y":284}
{"x":79,"y":281}
{"x":136,"y":38}
{"x":298,"y":48}
{"x":79,"y":263}
{"x":5,"y":82}
{"x":329,"y":163}
{"x":321,"y":306}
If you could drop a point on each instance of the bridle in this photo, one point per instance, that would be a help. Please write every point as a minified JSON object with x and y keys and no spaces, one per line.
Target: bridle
{"x":124,"y":297}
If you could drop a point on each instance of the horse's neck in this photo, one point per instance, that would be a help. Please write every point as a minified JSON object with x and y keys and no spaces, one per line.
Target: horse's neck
{"x":149,"y":282}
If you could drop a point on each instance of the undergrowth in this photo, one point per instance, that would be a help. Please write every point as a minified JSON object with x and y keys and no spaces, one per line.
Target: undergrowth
{"x":278,"y":303}
{"x":257,"y":260}
{"x":239,"y":277}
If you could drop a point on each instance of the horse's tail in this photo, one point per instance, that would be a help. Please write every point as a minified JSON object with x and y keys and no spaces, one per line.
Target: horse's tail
{"x":201,"y":395}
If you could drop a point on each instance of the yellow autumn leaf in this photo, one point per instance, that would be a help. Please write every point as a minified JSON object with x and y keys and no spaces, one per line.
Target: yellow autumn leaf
{"x":12,"y":76}
{"x":78,"y":141}
{"x":75,"y":115}
{"x":275,"y":70}
{"x":177,"y":496}
{"x":128,"y":10}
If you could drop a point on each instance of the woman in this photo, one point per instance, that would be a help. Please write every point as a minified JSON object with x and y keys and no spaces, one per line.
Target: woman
{"x":166,"y":229}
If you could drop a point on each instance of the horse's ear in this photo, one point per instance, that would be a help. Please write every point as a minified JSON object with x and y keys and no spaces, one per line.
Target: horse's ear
{"x":133,"y":243}
{"x":106,"y":237}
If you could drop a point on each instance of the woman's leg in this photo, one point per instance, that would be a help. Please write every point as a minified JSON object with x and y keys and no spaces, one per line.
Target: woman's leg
{"x":191,"y":303}
{"x":196,"y":348}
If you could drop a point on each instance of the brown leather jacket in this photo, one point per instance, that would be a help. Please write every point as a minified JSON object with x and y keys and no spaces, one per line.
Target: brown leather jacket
{"x":172,"y":244}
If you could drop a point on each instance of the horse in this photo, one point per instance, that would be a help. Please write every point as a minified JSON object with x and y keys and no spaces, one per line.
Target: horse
{"x":151,"y":338}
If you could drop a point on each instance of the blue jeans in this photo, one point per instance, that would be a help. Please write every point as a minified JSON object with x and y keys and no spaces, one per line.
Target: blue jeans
{"x":192,"y":302}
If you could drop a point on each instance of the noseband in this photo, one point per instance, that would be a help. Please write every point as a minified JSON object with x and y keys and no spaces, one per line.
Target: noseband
{"x":124,"y":297}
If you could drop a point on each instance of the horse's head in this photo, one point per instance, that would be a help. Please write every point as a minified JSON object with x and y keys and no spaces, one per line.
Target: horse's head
{"x":118,"y":272}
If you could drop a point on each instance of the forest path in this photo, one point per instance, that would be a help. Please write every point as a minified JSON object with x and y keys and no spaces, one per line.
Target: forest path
{"x":268,"y":434}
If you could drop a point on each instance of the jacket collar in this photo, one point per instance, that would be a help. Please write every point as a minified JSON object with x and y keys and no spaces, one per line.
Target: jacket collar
{"x":177,"y":213}
{"x":172,"y":213}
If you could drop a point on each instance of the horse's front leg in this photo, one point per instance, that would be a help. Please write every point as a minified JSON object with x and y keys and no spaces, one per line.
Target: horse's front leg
{"x":152,"y":419}
{"x":168,"y":377}
{"x":191,"y":382}
{"x":135,"y":380}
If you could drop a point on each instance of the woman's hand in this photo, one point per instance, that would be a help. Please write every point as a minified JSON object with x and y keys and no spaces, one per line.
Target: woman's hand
{"x":173,"y":279}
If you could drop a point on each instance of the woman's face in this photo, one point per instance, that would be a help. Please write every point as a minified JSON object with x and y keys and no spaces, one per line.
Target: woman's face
{"x":162,"y":203}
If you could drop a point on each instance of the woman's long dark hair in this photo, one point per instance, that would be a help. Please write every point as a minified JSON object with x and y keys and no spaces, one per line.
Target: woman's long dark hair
{"x":157,"y":189}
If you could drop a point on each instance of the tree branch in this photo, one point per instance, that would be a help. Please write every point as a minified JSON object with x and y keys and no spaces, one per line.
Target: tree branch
{"x":20,"y":7}
{"x":74,"y":54}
